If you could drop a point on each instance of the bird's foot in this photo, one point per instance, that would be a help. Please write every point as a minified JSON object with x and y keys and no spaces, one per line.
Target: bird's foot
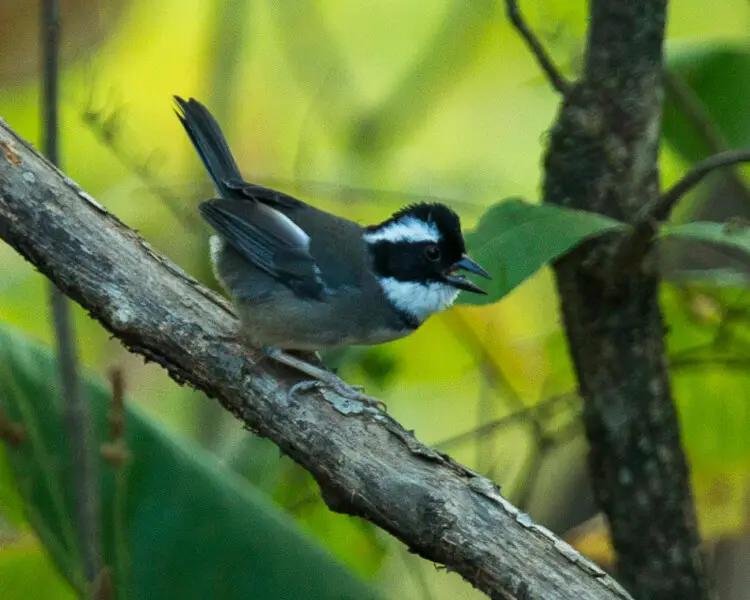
{"x":321,"y":379}
{"x":350,"y":392}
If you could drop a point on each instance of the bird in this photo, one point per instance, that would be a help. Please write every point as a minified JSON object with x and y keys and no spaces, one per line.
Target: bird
{"x":303,"y":279}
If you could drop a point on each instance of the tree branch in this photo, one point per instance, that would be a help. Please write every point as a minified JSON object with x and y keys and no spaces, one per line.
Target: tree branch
{"x":630,"y":250}
{"x":365,"y":463}
{"x":602,"y":157}
{"x":660,"y":208}
{"x":545,"y":61}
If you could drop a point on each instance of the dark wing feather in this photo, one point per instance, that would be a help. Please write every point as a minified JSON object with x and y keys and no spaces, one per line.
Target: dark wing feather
{"x":247,"y":216}
{"x":209,"y":142}
{"x":212,"y":147}
{"x":264,"y":194}
{"x":267,"y":239}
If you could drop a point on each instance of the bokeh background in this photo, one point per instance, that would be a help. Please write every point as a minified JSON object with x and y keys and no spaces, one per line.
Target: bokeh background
{"x":362,"y":107}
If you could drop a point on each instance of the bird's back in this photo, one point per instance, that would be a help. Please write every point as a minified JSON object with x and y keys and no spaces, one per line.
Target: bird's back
{"x":336,"y":244}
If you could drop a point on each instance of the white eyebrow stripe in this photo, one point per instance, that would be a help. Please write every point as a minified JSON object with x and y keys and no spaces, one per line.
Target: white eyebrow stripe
{"x":408,"y":229}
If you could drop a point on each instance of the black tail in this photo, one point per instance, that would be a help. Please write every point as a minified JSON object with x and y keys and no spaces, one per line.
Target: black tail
{"x":210,"y":143}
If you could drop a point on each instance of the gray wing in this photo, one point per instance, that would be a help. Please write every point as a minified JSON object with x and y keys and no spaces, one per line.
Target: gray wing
{"x":268,"y":239}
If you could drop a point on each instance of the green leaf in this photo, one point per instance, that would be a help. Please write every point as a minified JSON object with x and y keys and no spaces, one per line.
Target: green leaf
{"x":11,"y":502}
{"x":719,"y":75}
{"x":515,"y":239}
{"x":728,"y":234}
{"x":176,"y":523}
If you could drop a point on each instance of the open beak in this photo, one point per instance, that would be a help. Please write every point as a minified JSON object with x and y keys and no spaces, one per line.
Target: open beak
{"x":459,"y":281}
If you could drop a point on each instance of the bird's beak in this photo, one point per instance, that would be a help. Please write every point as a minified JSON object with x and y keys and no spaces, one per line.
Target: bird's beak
{"x":459,"y":281}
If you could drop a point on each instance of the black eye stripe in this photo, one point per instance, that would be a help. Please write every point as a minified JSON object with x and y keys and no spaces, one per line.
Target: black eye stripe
{"x":432,"y":252}
{"x":408,"y":261}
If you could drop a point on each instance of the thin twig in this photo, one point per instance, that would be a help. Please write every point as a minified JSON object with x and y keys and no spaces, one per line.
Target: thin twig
{"x":76,"y":415}
{"x":117,"y":454}
{"x":531,"y":469}
{"x":696,"y":361}
{"x":104,"y":126}
{"x":484,"y":445}
{"x":50,"y":50}
{"x":556,"y":78}
{"x":659,"y":209}
{"x":524,"y":414}
{"x":630,"y":250}
{"x":466,"y":334}
{"x":627,"y":253}
{"x":102,"y":588}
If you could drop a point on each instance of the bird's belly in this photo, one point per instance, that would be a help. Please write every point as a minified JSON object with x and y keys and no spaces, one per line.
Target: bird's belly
{"x":311,"y":325}
{"x":273,"y":315}
{"x":309,"y":328}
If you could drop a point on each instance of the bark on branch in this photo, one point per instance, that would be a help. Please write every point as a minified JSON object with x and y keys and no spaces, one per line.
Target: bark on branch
{"x":366,"y":464}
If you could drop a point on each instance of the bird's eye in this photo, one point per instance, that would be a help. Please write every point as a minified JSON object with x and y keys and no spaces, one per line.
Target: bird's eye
{"x":432,"y":252}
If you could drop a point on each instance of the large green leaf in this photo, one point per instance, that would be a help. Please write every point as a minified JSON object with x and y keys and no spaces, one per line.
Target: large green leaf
{"x":515,"y":239}
{"x":176,"y":523}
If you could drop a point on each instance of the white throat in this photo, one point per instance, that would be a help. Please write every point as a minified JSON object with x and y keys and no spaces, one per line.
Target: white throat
{"x":418,"y":299}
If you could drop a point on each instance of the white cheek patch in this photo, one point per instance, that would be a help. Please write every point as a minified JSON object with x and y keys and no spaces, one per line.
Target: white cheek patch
{"x":408,"y":229}
{"x":418,"y":299}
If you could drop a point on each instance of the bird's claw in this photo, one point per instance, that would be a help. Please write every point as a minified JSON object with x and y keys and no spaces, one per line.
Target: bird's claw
{"x":350,"y":392}
{"x":305,"y":386}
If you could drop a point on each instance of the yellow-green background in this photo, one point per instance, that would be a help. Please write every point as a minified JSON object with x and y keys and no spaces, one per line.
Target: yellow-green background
{"x":358,"y":107}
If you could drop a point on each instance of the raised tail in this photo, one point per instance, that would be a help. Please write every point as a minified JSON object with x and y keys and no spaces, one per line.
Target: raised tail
{"x":211,"y":145}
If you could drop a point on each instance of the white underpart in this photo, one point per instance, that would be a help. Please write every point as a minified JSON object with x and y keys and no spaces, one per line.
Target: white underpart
{"x":215,"y":246}
{"x":407,"y":229}
{"x":418,"y":299}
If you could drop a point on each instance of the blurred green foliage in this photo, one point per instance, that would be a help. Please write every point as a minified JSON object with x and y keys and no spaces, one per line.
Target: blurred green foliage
{"x":718,"y":75}
{"x":177,"y":523}
{"x":361,"y":108}
{"x":26,"y":572}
